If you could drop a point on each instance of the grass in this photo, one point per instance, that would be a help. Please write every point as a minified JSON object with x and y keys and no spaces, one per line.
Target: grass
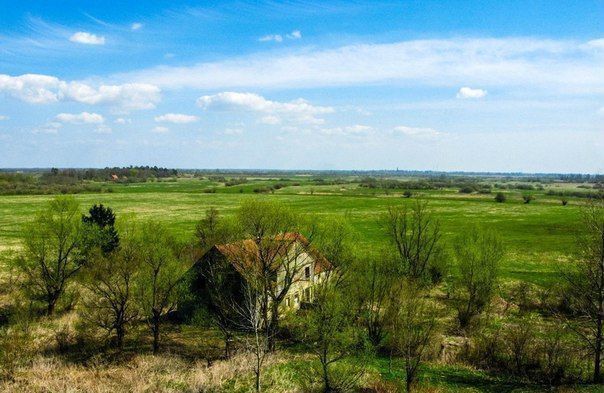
{"x":538,"y":235}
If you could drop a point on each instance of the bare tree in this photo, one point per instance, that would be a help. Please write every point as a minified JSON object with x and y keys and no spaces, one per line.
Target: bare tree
{"x":585,"y":284}
{"x":250,"y":319}
{"x":416,"y":237}
{"x":50,"y":259}
{"x":274,"y":229}
{"x":412,"y":326}
{"x":162,"y":268}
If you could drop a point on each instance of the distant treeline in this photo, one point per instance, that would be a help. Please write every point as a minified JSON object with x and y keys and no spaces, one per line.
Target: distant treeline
{"x":73,"y":181}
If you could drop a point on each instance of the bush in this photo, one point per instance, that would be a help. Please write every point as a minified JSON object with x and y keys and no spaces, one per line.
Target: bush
{"x":564,"y":201}
{"x":500,"y":197}
{"x":407,"y":194}
{"x":527,"y":198}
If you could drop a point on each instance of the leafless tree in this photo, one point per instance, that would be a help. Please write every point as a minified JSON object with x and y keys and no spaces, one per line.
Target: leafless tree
{"x":274,"y":229}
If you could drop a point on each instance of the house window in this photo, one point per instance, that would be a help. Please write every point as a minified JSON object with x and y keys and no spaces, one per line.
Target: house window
{"x":307,"y":272}
{"x":307,"y":294}
{"x":296,"y":298}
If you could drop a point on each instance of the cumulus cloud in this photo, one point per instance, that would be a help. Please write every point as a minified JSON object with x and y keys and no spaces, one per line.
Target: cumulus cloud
{"x":176,"y":118}
{"x":565,"y":66}
{"x":136,"y":26}
{"x":3,"y":117}
{"x":80,"y":118}
{"x":43,"y":89}
{"x":121,"y":120}
{"x":418,"y":132}
{"x":82,"y":37}
{"x":271,"y":37}
{"x":160,"y":130}
{"x":468,"y":92}
{"x":298,"y":110}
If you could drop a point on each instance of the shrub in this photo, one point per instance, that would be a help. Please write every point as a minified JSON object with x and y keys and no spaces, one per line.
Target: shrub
{"x":527,"y":198}
{"x":407,"y":194}
{"x":500,"y":197}
{"x":564,"y":201}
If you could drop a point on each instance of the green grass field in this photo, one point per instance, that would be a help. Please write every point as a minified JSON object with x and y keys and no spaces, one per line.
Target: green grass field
{"x":538,"y":235}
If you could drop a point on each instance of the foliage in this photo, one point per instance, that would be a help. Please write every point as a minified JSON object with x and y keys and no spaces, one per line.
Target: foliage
{"x":478,"y":254}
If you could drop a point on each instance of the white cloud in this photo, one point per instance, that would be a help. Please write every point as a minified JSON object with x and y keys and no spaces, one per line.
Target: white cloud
{"x":2,"y":117}
{"x":565,"y":66}
{"x":82,"y":37}
{"x":271,"y":37}
{"x":121,"y":120}
{"x":298,"y":110}
{"x":43,"y":89}
{"x":295,"y":35}
{"x":80,"y":118}
{"x":601,"y":111}
{"x":468,"y":92}
{"x":176,"y":118}
{"x":354,"y":130}
{"x":418,"y":132}
{"x":160,"y":130}
{"x":136,"y":26}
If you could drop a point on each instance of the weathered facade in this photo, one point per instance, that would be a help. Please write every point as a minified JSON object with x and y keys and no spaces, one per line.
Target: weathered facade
{"x":228,"y":268}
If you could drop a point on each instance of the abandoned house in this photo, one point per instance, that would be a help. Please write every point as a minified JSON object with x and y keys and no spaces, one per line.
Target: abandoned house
{"x":228,"y":268}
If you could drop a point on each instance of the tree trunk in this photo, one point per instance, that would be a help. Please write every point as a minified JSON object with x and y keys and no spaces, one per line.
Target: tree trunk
{"x":598,"y":350}
{"x":326,"y":383}
{"x":50,"y":307}
{"x":119,"y":339}
{"x":273,"y":327}
{"x":155,"y":329}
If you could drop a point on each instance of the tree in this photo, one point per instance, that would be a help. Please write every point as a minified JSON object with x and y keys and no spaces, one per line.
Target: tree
{"x":527,"y":198}
{"x":213,"y":229}
{"x":273,"y":228}
{"x":500,"y":197}
{"x":416,"y":237}
{"x":411,"y":327}
{"x":49,"y":260}
{"x":374,"y":278}
{"x":162,"y":268}
{"x":585,"y":283}
{"x":250,"y":318}
{"x":110,"y":280}
{"x":329,"y":326}
{"x":407,"y":194}
{"x":104,"y":219}
{"x":478,"y":253}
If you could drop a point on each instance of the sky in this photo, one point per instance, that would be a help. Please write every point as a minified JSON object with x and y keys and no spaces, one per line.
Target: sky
{"x":505,"y":86}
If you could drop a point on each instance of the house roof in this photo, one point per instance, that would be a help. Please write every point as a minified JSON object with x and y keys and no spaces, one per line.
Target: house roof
{"x":245,"y":254}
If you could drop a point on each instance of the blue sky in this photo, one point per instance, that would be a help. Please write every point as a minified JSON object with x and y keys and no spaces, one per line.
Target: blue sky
{"x":432,"y":85}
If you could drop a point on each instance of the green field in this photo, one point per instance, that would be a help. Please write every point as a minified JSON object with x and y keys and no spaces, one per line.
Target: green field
{"x":538,"y":236}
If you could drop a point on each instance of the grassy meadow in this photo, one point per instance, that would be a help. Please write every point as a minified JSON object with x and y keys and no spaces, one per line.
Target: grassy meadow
{"x":538,"y":236}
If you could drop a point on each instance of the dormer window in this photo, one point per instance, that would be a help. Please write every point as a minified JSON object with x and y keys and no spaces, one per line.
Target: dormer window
{"x":307,"y":272}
